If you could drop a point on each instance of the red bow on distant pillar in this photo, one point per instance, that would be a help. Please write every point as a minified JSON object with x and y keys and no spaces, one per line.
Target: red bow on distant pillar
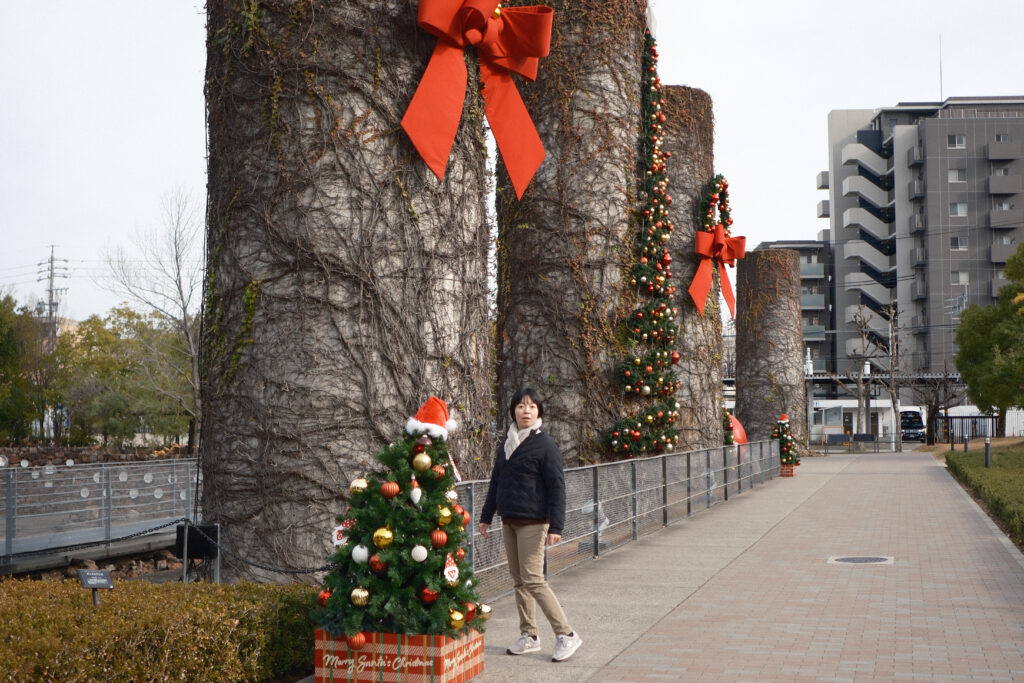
{"x":509,"y":40}
{"x":716,"y":246}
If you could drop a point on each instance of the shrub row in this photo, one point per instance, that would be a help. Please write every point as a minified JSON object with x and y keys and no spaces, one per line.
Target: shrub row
{"x":1000,"y":487}
{"x":50,"y":630}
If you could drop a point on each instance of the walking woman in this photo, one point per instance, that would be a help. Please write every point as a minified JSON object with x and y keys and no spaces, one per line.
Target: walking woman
{"x":528,"y":490}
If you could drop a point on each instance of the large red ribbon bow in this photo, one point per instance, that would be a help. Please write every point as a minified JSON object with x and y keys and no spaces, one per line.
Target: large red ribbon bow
{"x":510,"y":41}
{"x":716,"y":246}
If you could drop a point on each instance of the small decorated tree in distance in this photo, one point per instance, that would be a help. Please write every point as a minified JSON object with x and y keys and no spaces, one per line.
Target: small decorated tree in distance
{"x":727,"y":437}
{"x":787,"y":446}
{"x":401,"y":578}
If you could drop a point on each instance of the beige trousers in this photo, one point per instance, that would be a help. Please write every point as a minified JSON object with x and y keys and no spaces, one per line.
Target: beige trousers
{"x":524,"y":546}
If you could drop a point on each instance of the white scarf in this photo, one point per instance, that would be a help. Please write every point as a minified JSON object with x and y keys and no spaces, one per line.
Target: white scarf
{"x":516,"y":436}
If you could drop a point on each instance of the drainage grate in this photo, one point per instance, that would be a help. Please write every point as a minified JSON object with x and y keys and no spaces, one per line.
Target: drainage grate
{"x":860,"y":559}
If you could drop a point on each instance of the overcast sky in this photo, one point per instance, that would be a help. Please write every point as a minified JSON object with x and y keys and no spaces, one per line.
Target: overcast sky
{"x":101,"y":112}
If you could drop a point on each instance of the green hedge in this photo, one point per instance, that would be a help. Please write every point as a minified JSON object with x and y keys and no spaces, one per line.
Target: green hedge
{"x":50,"y":631}
{"x":1000,"y":487}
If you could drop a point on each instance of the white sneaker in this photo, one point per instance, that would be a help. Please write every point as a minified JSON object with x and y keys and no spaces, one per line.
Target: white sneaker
{"x":525,"y":643}
{"x":566,"y":646}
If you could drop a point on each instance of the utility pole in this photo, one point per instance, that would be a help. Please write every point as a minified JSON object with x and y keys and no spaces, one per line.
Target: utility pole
{"x":50,"y":271}
{"x":894,"y":385}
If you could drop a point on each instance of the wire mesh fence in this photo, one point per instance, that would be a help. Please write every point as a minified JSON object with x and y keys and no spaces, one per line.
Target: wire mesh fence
{"x":607,"y":505}
{"x":61,"y":506}
{"x":612,"y":504}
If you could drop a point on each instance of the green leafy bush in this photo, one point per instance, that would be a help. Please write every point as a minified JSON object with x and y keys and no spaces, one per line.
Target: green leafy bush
{"x":50,"y":630}
{"x":1000,"y":487}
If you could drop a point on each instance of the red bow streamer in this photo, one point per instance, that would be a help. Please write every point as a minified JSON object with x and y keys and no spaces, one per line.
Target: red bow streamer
{"x":716,"y":246}
{"x":511,"y":42}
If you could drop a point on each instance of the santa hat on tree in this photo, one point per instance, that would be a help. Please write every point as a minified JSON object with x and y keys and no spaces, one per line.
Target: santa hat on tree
{"x":432,"y":418}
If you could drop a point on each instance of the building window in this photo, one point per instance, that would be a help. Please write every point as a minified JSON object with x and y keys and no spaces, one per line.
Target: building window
{"x":1008,"y":239}
{"x":1002,"y":170}
{"x":956,"y":142}
{"x":958,"y":243}
{"x":958,"y":175}
{"x":958,"y":208}
{"x":1003,"y":205}
{"x":1002,"y":137}
{"x":959,"y":277}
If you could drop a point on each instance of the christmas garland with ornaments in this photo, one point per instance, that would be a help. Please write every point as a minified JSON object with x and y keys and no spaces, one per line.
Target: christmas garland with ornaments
{"x":645,"y":374}
{"x":715,"y":245}
{"x":400,"y":561}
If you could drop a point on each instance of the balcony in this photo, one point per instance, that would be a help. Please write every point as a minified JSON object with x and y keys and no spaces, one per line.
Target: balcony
{"x":823,"y":180}
{"x":862,"y":219}
{"x":915,"y":189}
{"x":915,"y":156}
{"x":918,"y":257}
{"x":856,"y":153}
{"x":812,"y":271}
{"x":858,"y":186}
{"x":865,"y":253}
{"x":824,"y":209}
{"x":919,"y":324}
{"x":1005,"y":184}
{"x":918,"y":222}
{"x":814,"y":333}
{"x":1003,"y":151}
{"x":1005,"y":219}
{"x":866,"y":285}
{"x":1000,"y":252}
{"x":812,"y":302}
{"x":919,"y":290}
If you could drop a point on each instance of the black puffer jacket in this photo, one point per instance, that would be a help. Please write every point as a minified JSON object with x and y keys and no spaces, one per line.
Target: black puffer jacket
{"x":529,"y":485}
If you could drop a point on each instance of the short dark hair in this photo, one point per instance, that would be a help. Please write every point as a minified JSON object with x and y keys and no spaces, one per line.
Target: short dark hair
{"x":520,"y":395}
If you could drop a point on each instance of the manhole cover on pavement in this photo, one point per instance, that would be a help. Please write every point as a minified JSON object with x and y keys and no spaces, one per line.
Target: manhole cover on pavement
{"x":859,"y":559}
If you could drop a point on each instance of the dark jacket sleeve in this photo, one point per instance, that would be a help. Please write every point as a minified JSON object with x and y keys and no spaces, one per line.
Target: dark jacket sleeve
{"x":554,"y":482}
{"x":491,"y":502}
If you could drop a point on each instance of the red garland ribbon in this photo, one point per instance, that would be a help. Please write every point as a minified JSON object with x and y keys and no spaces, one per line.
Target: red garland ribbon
{"x":511,"y":42}
{"x":711,"y":247}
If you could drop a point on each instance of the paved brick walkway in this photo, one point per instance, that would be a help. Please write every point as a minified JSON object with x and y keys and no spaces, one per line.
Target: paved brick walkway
{"x":746,"y":591}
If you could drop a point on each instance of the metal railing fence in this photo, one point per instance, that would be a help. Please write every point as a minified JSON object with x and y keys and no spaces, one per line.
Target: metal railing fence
{"x":607,"y":505}
{"x":612,"y":504}
{"x":43,"y":508}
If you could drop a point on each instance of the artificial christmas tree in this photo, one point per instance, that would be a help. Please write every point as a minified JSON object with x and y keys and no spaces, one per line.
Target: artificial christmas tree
{"x":400,"y":597}
{"x":787,"y":446}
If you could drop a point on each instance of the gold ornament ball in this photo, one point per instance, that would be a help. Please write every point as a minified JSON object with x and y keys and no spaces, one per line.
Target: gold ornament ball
{"x":456,"y":619}
{"x":359,"y":597}
{"x":421,"y":462}
{"x":358,"y":485}
{"x":483,"y":612}
{"x":383,"y":537}
{"x":444,"y":516}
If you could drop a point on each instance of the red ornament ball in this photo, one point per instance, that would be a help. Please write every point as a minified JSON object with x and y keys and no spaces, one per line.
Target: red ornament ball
{"x":377,"y":565}
{"x":390,"y":489}
{"x":438,"y":538}
{"x":428,"y":596}
{"x":356,"y":641}
{"x":460,"y":554}
{"x":324,"y":596}
{"x":438,"y":471}
{"x":469,"y":611}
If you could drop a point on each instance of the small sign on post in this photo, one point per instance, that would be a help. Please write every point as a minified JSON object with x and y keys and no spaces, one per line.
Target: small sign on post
{"x":95,"y":579}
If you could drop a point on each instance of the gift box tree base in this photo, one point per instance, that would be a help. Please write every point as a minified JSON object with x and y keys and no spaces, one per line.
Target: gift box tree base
{"x":391,"y":657}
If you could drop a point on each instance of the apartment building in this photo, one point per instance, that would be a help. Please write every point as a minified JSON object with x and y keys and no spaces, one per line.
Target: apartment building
{"x":925,"y":204}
